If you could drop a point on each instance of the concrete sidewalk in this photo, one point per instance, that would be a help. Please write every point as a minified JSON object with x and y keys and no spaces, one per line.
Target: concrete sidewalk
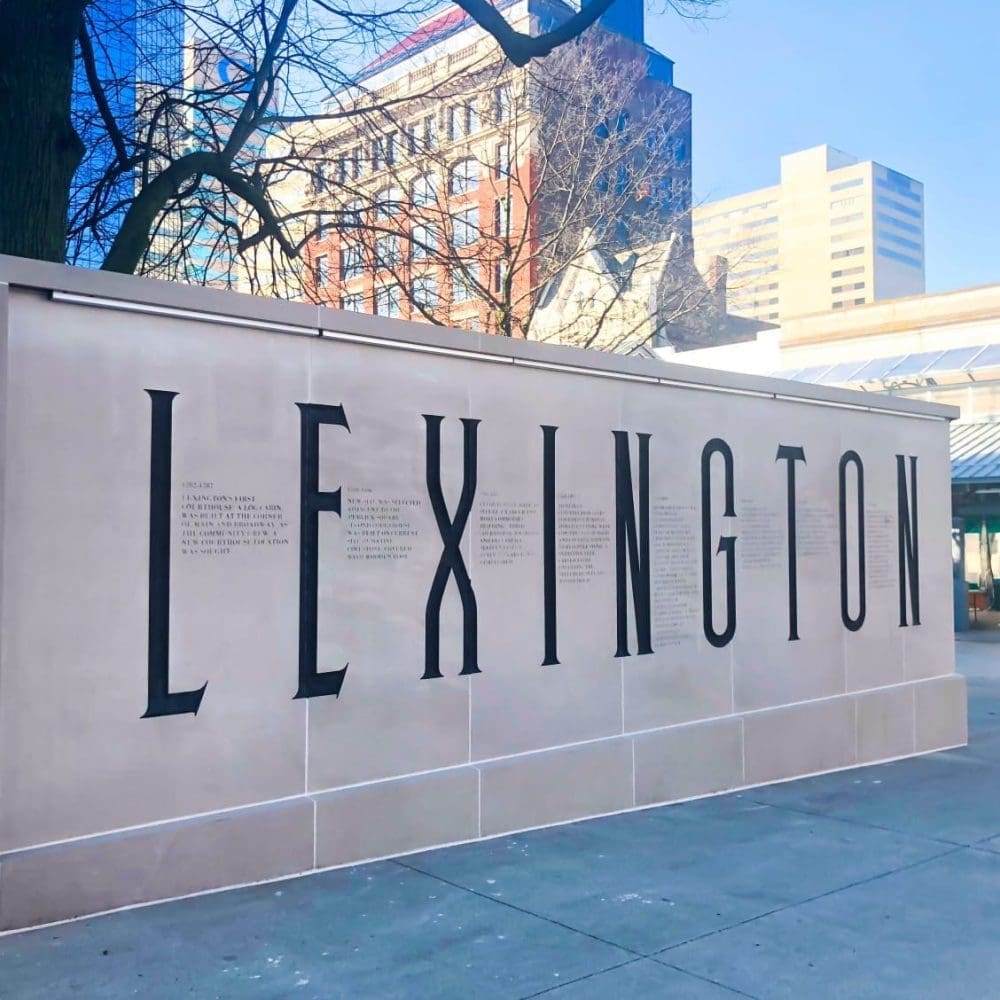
{"x":878,"y":882}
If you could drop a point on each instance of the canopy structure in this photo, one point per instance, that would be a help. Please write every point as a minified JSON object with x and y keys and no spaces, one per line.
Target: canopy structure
{"x":975,"y":472}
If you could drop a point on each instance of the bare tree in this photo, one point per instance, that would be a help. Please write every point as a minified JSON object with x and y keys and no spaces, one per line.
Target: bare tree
{"x":171,"y":145}
{"x":551,"y":201}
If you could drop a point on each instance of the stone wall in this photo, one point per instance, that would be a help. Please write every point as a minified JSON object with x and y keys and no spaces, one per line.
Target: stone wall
{"x":284,"y":588}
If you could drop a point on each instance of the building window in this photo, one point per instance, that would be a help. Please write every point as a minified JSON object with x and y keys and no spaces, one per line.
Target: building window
{"x":499,"y":275}
{"x":464,"y":176}
{"x":351,"y":261}
{"x":323,"y":225}
{"x":853,"y":252}
{"x":319,"y":179}
{"x":465,"y":230}
{"x":424,"y":191}
{"x":357,"y":166}
{"x":907,"y":227}
{"x":389,"y":202}
{"x":898,"y":185}
{"x":456,"y":116}
{"x":501,"y":217}
{"x":391,"y":148}
{"x":900,"y":241}
{"x":842,"y":219}
{"x":461,"y":288}
{"x":501,"y":103}
{"x":411,"y":138}
{"x":342,"y":169}
{"x":352,"y":215}
{"x":847,"y":272}
{"x":902,"y":258}
{"x":847,"y":288}
{"x":424,"y":240}
{"x":898,"y":206}
{"x":378,"y":154}
{"x":387,"y":253}
{"x":354,"y":302}
{"x":844,"y":185}
{"x":501,"y":159}
{"x":322,"y":270}
{"x":430,"y":132}
{"x":425,"y":291}
{"x":387,"y":301}
{"x":471,"y":118}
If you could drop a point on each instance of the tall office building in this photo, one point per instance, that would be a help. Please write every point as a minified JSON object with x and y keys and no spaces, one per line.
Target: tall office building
{"x":138,"y":52}
{"x":836,"y":232}
{"x":457,"y":166}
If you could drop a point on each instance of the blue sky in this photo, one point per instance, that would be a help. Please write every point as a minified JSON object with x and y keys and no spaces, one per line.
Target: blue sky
{"x":913,"y":84}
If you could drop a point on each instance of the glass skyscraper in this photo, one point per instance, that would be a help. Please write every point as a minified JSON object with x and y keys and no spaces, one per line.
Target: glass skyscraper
{"x":138,"y":54}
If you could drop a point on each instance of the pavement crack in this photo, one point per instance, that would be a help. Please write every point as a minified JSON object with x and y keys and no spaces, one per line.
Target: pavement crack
{"x":520,"y":909}
{"x":810,"y":899}
{"x":857,"y":822}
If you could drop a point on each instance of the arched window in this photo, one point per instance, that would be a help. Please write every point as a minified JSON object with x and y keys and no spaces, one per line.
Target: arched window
{"x":424,"y":191}
{"x":464,"y":176}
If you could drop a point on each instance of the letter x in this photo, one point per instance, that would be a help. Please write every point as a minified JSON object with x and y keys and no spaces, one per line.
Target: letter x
{"x":451,"y":562}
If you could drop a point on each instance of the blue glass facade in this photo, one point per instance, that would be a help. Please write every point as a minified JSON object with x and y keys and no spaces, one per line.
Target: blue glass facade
{"x":138,"y":49}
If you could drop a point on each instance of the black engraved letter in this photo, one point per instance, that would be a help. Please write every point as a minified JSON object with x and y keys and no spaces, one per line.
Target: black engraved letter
{"x":549,"y":541}
{"x":631,"y":552}
{"x":792,"y":454}
{"x":312,"y":683}
{"x":451,"y":556}
{"x":727,"y":543}
{"x":909,"y":548}
{"x":852,"y":458}
{"x":161,"y":701}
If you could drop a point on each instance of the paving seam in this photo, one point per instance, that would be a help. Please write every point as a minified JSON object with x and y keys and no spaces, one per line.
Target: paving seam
{"x":862,"y":824}
{"x":521,"y":909}
{"x":582,"y":979}
{"x":810,"y":899}
{"x":704,"y":979}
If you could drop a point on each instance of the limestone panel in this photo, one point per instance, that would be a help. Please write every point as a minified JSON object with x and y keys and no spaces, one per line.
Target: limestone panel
{"x":800,"y":739}
{"x":174,"y":859}
{"x":941,"y":713}
{"x":685,"y":677}
{"x":685,"y":761}
{"x":396,"y":817}
{"x":377,"y":562}
{"x":521,"y":702}
{"x":76,"y":561}
{"x":555,"y":786}
{"x":787,"y":642}
{"x":885,"y":723}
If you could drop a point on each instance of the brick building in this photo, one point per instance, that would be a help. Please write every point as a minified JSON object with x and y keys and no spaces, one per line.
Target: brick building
{"x":434,"y":202}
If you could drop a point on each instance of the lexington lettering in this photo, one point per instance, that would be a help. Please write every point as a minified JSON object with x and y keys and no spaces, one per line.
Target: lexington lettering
{"x":632,"y":550}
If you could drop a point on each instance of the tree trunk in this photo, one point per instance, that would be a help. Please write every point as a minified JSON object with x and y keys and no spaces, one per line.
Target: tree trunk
{"x":41,"y":150}
{"x":986,"y":564}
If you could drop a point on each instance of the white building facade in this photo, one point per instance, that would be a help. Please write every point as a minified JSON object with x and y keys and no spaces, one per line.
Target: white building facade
{"x":835,"y":233}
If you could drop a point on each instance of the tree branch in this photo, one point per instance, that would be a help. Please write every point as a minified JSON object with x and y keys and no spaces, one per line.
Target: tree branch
{"x":519,"y":48}
{"x":100,"y":98}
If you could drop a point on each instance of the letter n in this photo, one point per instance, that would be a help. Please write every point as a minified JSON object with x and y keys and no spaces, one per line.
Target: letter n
{"x":631,"y":546}
{"x":909,"y":546}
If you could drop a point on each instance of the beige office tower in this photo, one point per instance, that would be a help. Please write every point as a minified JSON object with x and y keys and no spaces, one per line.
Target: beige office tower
{"x":835,"y":233}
